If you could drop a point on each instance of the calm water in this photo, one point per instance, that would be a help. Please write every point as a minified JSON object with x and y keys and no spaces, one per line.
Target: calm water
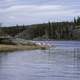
{"x":57,"y":63}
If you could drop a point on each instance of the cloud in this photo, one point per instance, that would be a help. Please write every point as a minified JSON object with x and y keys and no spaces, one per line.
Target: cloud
{"x":32,"y":13}
{"x":40,"y":10}
{"x":7,"y":3}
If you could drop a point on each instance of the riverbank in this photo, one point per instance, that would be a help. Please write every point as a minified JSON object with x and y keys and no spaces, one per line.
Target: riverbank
{"x":9,"y":48}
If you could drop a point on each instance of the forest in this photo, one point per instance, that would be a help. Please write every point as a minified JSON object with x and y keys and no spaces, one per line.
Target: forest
{"x":45,"y":31}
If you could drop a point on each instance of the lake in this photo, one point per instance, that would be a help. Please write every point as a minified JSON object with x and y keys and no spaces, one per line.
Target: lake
{"x":60,"y":62}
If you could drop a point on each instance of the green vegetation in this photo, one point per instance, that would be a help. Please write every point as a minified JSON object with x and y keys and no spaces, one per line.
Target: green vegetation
{"x":52,"y":30}
{"x":18,"y":37}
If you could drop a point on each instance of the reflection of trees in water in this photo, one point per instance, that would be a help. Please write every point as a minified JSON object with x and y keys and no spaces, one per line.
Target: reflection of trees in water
{"x":77,"y":54}
{"x":73,"y":53}
{"x":3,"y":57}
{"x":77,"y":61}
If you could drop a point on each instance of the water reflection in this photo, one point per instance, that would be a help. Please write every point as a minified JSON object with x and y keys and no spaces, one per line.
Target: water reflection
{"x":59,"y":63}
{"x":3,"y":56}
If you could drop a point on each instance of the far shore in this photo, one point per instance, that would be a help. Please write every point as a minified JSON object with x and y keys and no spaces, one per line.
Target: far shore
{"x":10,"y":48}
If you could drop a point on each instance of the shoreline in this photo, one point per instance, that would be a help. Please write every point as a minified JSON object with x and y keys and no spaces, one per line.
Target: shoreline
{"x":11,"y":48}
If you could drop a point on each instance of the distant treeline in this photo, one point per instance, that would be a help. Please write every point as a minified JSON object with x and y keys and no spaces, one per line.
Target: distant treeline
{"x":51,"y":30}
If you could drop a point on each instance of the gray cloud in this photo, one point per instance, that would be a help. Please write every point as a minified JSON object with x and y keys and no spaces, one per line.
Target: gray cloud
{"x":7,"y":3}
{"x":12,"y":12}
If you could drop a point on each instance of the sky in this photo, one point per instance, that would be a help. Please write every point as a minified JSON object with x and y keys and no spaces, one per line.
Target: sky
{"x":28,"y":12}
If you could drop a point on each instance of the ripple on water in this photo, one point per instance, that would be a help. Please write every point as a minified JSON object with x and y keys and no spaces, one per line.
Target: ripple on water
{"x":59,"y":63}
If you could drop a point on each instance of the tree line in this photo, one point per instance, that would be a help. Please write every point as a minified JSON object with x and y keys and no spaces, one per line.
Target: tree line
{"x":50,"y":30}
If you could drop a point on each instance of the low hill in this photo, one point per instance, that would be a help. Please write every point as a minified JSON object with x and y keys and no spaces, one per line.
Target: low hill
{"x":49,"y":31}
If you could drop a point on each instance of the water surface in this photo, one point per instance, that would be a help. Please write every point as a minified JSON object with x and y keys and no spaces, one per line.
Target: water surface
{"x":57,"y":63}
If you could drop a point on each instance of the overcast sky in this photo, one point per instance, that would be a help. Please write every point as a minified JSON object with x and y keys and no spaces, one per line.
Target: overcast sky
{"x":14,"y":12}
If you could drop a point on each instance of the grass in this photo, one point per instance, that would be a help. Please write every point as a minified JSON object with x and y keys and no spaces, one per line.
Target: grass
{"x":9,"y":48}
